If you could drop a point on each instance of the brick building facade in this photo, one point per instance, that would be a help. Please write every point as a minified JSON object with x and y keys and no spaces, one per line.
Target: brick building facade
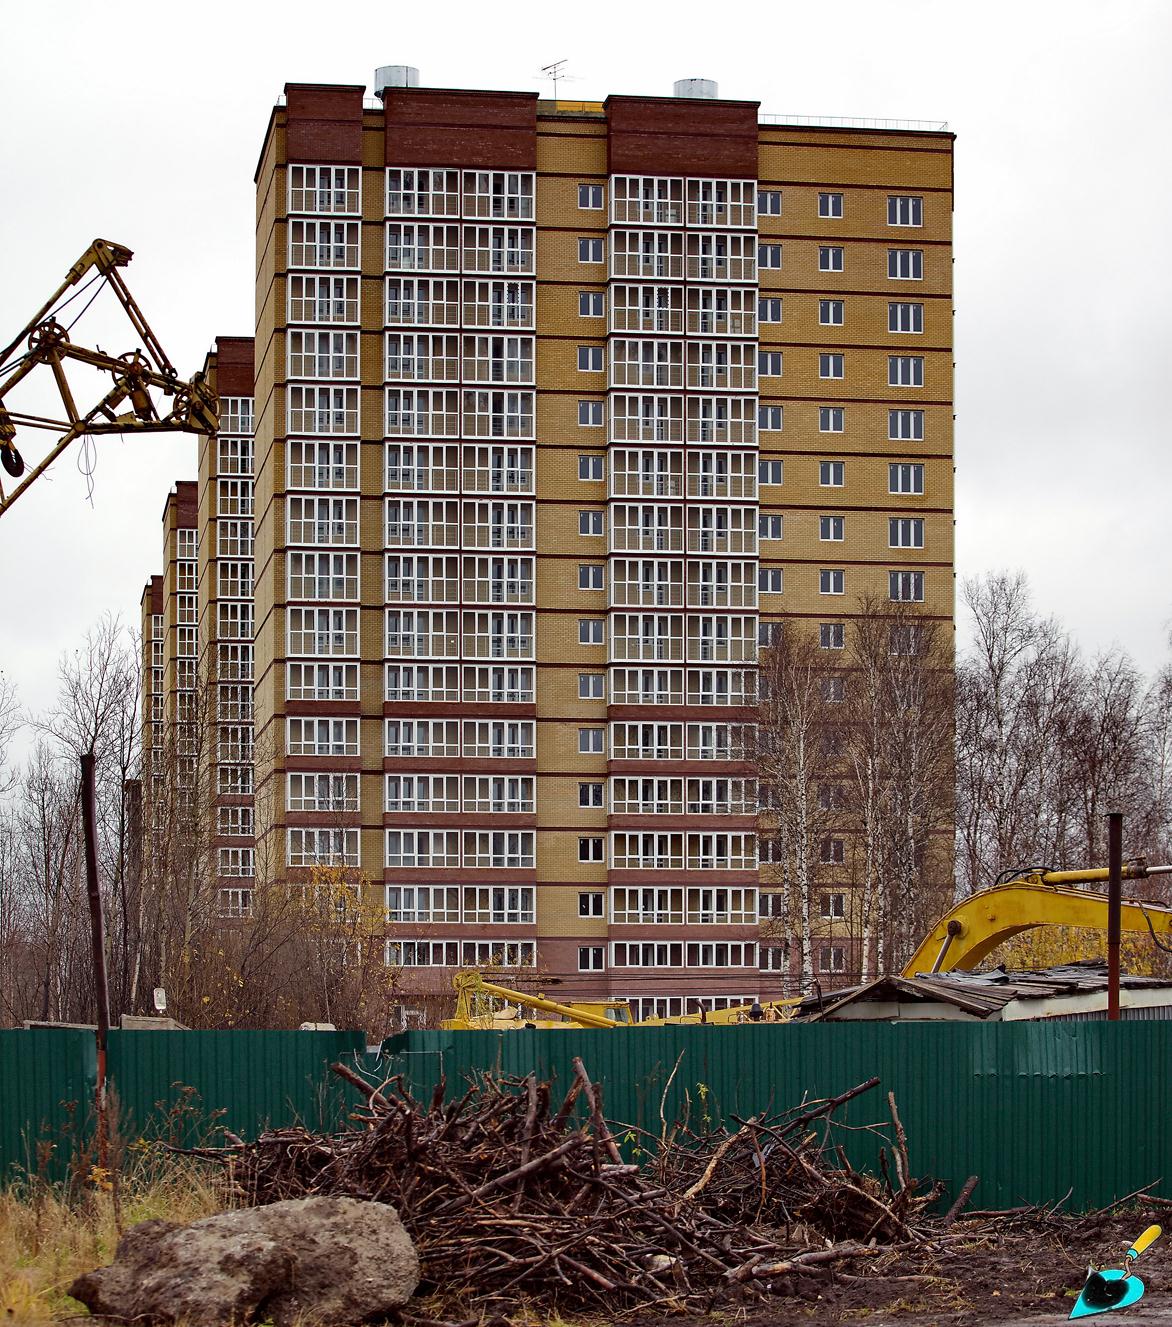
{"x":559,"y":409}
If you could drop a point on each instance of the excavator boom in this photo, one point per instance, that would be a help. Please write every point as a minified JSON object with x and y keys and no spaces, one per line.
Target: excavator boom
{"x":978,"y":924}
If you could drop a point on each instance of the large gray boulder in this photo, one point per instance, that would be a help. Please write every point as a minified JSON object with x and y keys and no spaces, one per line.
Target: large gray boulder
{"x":334,"y":1261}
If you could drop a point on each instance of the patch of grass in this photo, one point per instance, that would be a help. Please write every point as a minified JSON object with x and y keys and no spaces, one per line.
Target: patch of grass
{"x":46,"y":1240}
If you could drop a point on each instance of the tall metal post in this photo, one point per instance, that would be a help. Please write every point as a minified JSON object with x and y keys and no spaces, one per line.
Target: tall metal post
{"x":98,"y":935}
{"x":1114,"y":903}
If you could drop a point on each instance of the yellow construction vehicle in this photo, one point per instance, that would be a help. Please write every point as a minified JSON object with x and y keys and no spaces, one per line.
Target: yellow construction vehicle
{"x":484,"y":1005}
{"x":964,"y":936}
{"x":975,"y":927}
{"x":128,"y":406}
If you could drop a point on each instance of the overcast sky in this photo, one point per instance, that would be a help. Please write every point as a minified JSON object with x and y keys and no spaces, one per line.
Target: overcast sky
{"x":146,"y":130}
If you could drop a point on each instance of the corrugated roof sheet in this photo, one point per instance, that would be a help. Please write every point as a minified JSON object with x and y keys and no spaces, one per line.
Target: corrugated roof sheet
{"x":979,"y":993}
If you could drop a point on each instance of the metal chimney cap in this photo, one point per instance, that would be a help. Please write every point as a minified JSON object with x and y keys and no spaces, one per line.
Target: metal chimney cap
{"x":704,"y":89}
{"x":395,"y":76}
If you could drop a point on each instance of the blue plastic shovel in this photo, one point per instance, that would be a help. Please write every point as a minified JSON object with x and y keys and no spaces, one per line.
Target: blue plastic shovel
{"x":1109,"y":1290}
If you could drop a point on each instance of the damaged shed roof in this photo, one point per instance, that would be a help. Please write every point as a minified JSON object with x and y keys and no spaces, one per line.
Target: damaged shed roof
{"x":1070,"y":990}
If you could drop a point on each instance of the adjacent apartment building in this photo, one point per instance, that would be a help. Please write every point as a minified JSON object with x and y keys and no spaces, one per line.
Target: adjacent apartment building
{"x":560,"y":409}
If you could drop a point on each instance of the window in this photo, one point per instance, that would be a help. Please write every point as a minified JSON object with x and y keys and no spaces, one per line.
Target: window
{"x":769,"y":527}
{"x":905,"y":317}
{"x":769,"y":202}
{"x":831,"y":418}
{"x":590,"y":414}
{"x":591,"y":686}
{"x":830,"y":205}
{"x":590,"y":467}
{"x":905,"y":264}
{"x":905,"y":370}
{"x":905,"y":477}
{"x":591,"y":958}
{"x":235,"y":454}
{"x":590,"y":522}
{"x":769,"y":472}
{"x":832,"y":474}
{"x":318,"y":575}
{"x":590,"y":741}
{"x":831,"y":797}
{"x":904,"y":210}
{"x":831,"y":958}
{"x":590,"y":850}
{"x":832,"y":905}
{"x":831,"y":529}
{"x":907,"y":639}
{"x":590,"y":359}
{"x":769,"y":580}
{"x":769,"y":363}
{"x":829,"y":258}
{"x":831,"y":636}
{"x":590,"y":576}
{"x":590,"y":303}
{"x":833,"y":690}
{"x":833,"y":852}
{"x":830,"y":365}
{"x":769,"y":310}
{"x":590,"y":630}
{"x":905,"y":532}
{"x":906,"y":587}
{"x":238,"y":862}
{"x":905,"y":425}
{"x":769,"y":417}
{"x":590,"y":197}
{"x":591,"y":795}
{"x":831,"y":581}
{"x":319,"y":631}
{"x":319,"y":737}
{"x":591,"y":905}
{"x":769,"y":255}
{"x":589,"y":250}
{"x":830,"y":312}
{"x":323,"y":188}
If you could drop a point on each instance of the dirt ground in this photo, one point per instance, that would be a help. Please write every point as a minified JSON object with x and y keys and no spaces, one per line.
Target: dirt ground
{"x":1026,"y":1272}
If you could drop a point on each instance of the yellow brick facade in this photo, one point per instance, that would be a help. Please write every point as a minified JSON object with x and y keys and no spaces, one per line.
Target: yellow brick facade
{"x":371,"y":276}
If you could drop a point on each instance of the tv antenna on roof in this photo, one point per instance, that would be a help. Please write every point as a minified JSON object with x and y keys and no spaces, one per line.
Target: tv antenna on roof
{"x":555,"y":73}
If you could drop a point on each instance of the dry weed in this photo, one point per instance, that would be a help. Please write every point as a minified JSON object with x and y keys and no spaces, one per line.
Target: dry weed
{"x":47,"y":1241}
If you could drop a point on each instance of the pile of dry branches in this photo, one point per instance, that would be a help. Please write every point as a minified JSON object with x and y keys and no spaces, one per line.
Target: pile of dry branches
{"x":510,"y":1195}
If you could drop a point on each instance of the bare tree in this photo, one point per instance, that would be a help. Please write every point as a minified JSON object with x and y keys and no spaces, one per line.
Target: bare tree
{"x":10,"y":724}
{"x":795,"y":759}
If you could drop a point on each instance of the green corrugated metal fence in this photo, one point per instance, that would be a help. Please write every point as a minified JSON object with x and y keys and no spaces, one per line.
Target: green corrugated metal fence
{"x":179,"y":1085}
{"x":172,"y":1085}
{"x":47,"y":1078}
{"x":1035,"y":1109}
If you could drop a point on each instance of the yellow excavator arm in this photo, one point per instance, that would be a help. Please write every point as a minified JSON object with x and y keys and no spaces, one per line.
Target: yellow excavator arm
{"x":976,"y":926}
{"x":139,"y":376}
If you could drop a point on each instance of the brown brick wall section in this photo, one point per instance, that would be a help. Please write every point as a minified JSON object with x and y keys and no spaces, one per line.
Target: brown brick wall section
{"x":324,"y":123}
{"x":234,"y":367}
{"x":682,"y":136}
{"x":496,"y":130}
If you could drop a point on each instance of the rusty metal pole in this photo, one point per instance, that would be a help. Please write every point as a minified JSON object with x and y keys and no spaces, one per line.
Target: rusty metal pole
{"x":98,"y":935}
{"x":1114,"y":909}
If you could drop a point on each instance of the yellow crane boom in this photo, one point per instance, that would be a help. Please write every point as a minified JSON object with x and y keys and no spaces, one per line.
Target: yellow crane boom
{"x":127,"y":407}
{"x":470,"y":984}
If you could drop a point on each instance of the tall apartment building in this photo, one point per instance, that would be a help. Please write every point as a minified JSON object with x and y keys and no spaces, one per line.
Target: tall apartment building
{"x":226,"y":620}
{"x":559,"y":409}
{"x":169,"y":626}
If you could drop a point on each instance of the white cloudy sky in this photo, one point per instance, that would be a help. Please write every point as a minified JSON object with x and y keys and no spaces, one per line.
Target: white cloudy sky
{"x":145,"y":129}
